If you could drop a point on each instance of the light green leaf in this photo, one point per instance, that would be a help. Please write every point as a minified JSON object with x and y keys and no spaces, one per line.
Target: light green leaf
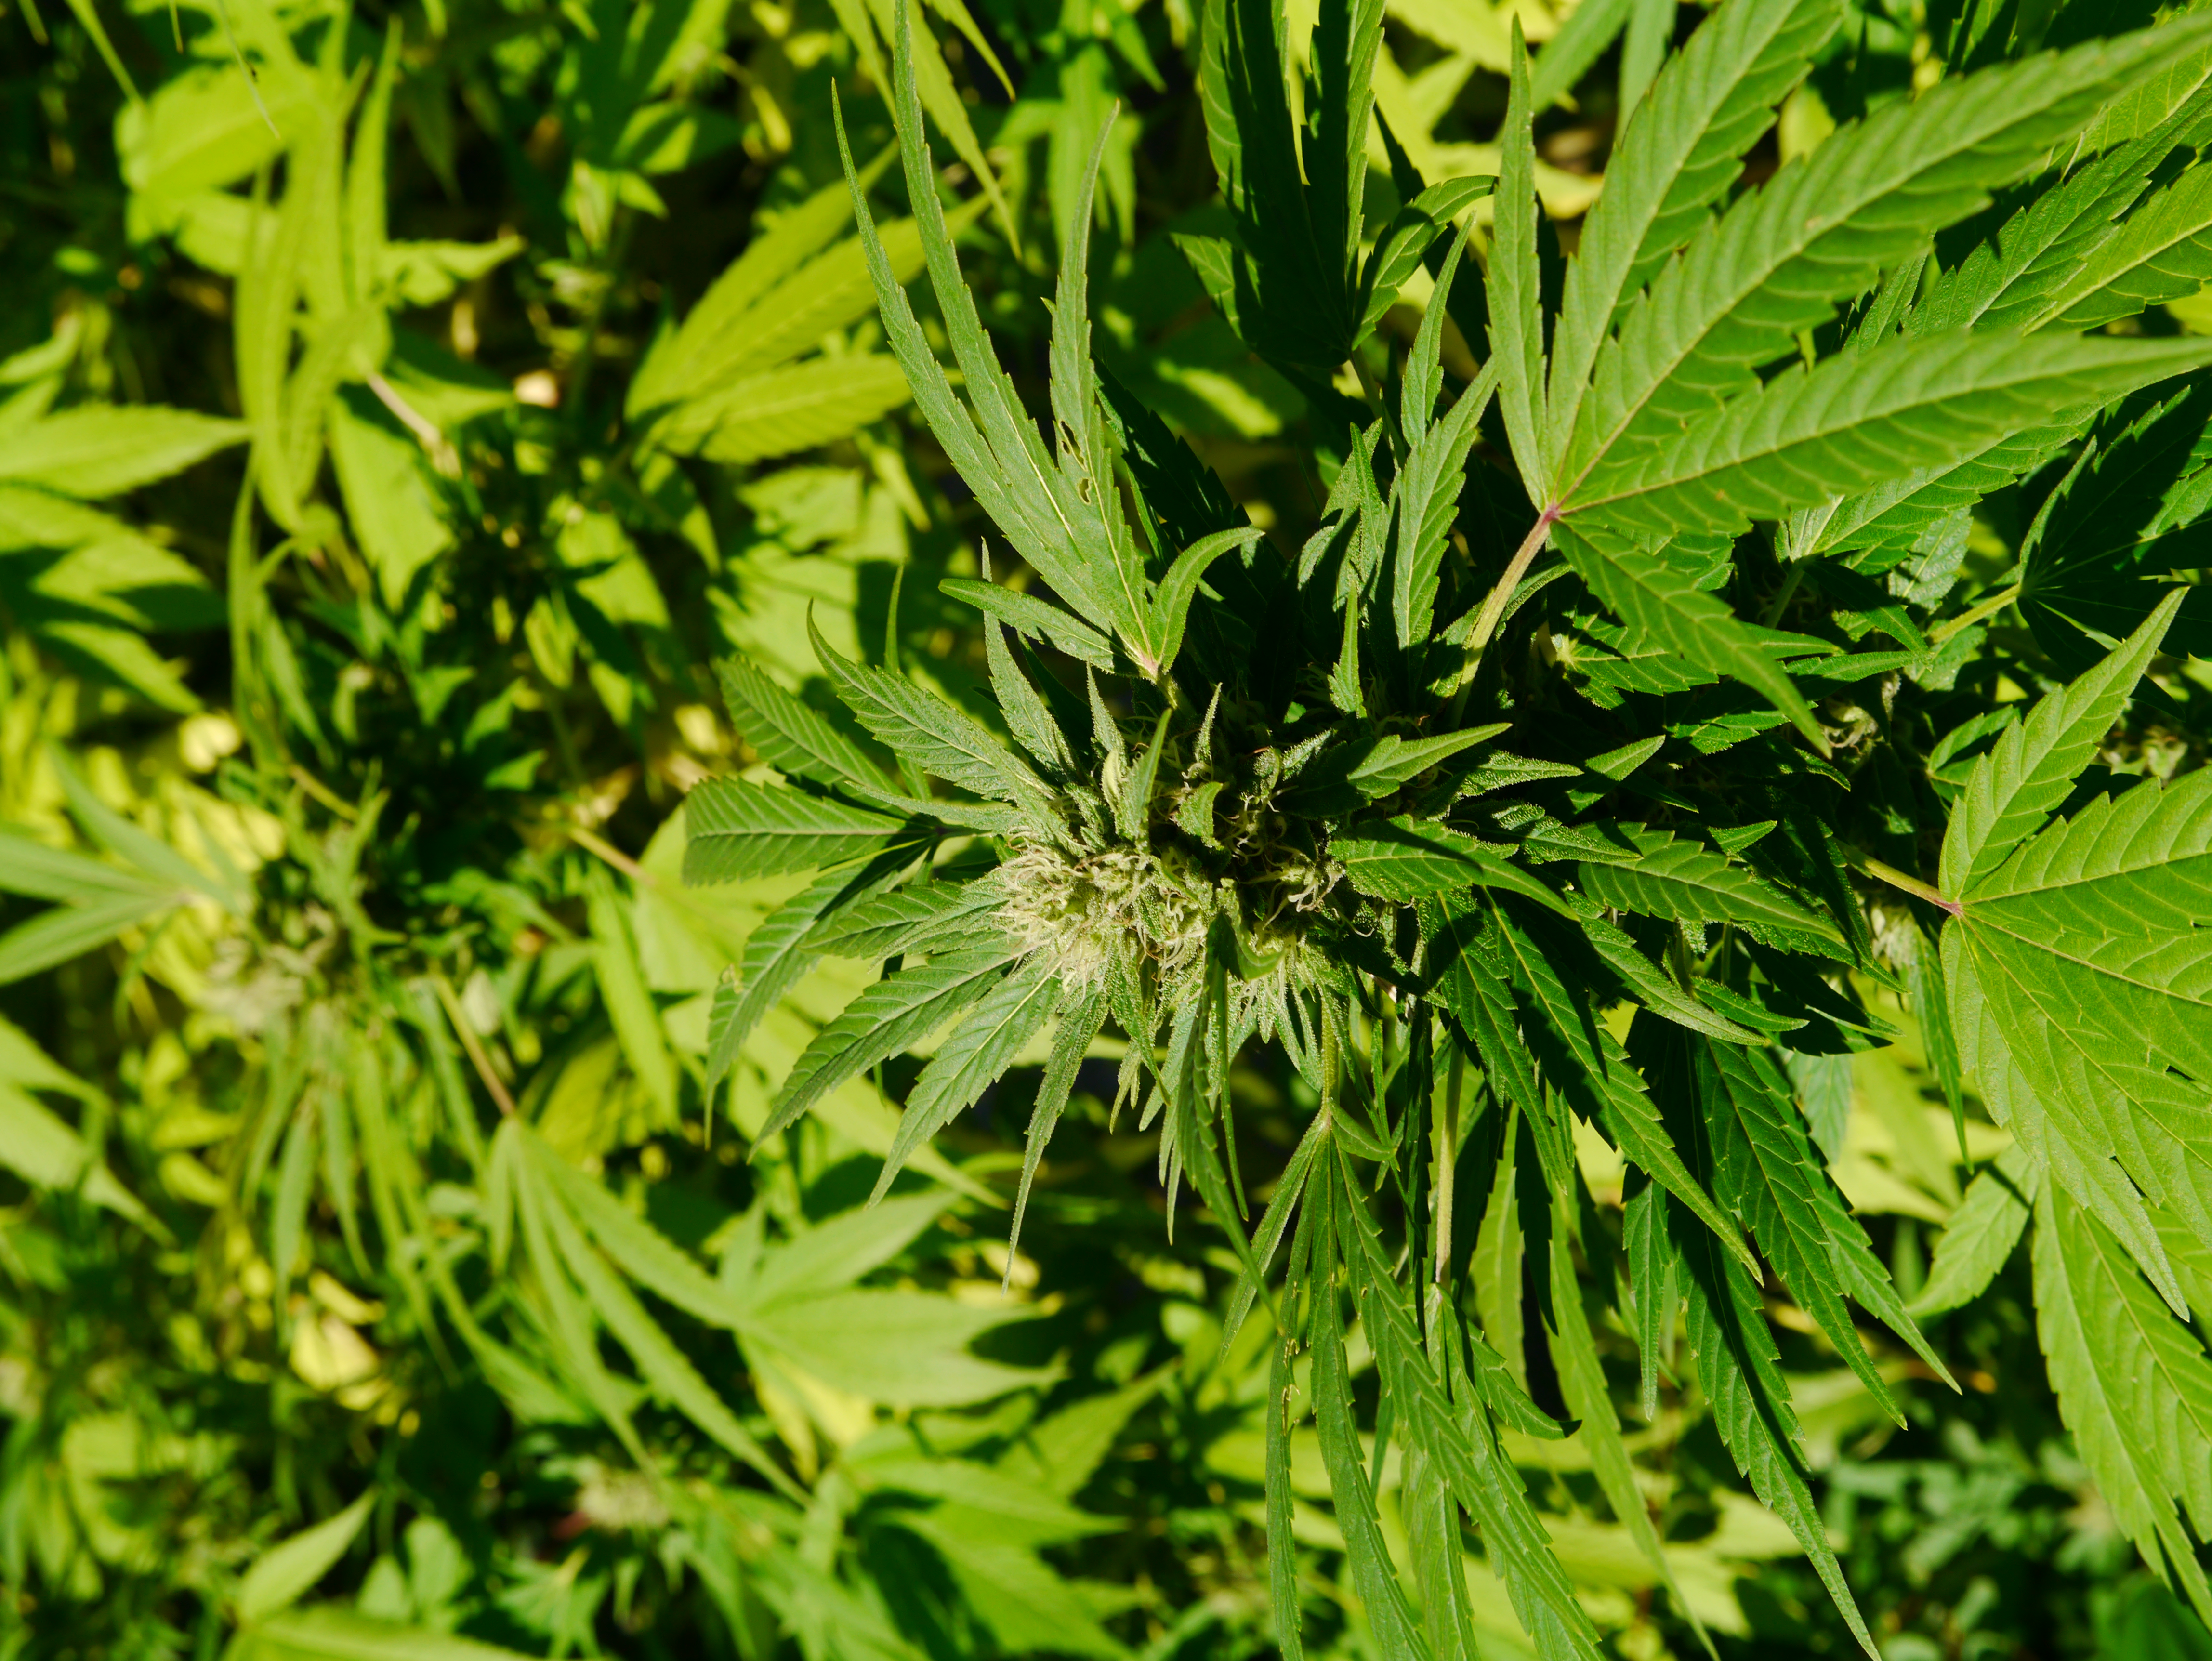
{"x":831,"y":1256}
{"x":2014,"y":789}
{"x":289,"y":1570}
{"x":38,"y":1147}
{"x":31,"y":867}
{"x":68,"y":931}
{"x":2134,"y":1384}
{"x":98,"y":450}
{"x":330,"y":1635}
{"x":800,"y":408}
{"x":2076,"y":974}
{"x":901,"y":1349}
{"x":1981,"y":1236}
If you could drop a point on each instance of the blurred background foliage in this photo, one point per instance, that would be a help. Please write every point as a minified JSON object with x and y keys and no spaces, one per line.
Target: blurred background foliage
{"x":400,"y":407}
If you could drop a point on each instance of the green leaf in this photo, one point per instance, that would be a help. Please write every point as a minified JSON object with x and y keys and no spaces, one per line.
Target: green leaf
{"x":737,"y":830}
{"x":390,"y":506}
{"x":639,"y":1249}
{"x":781,"y":948}
{"x":289,"y":1570}
{"x":1425,"y":498}
{"x":1782,"y":257}
{"x":667,"y":1369}
{"x":1457,"y":1436}
{"x":1853,"y":421}
{"x":1036,"y":618}
{"x":1654,"y":987}
{"x":2075,"y":977}
{"x":787,"y":734}
{"x":926,"y":731}
{"x":1749,"y":1400}
{"x":629,"y":1005}
{"x":31,"y":867}
{"x":896,"y":1012}
{"x":1516,"y":326}
{"x":1677,"y":158}
{"x":1170,"y":606}
{"x":1586,"y":1063}
{"x":772,"y":302}
{"x":1079,"y":1025}
{"x":1582,"y":1384}
{"x":901,"y":1349}
{"x":1060,"y":1452}
{"x":68,"y":931}
{"x":2160,"y":251}
{"x":1894,"y":514}
{"x":2130,"y":509}
{"x":1368,"y":1559}
{"x":1412,"y":232}
{"x":1690,"y":882}
{"x":996,"y":449}
{"x":1982,"y":1234}
{"x":1589,"y":29}
{"x":914,"y":919}
{"x":1767,"y":1172}
{"x":1659,"y":600}
{"x":156,"y":858}
{"x":974,"y":1056}
{"x":1409,"y":859}
{"x":1027,"y":1605}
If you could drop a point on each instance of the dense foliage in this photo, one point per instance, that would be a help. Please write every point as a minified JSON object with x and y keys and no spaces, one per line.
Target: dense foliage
{"x":1520,"y":719}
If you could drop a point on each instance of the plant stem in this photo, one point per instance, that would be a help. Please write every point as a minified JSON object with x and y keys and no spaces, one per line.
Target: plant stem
{"x":1989,"y":607}
{"x":1785,"y":594}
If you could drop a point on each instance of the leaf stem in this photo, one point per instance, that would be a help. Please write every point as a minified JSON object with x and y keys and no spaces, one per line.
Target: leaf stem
{"x":472,"y":1045}
{"x":1966,"y":619}
{"x":1446,"y":1125}
{"x":1897,"y":879}
{"x":1493,"y":606}
{"x":613,"y":855}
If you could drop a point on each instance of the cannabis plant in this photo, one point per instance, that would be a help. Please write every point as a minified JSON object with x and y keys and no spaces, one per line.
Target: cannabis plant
{"x":1576,"y":766}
